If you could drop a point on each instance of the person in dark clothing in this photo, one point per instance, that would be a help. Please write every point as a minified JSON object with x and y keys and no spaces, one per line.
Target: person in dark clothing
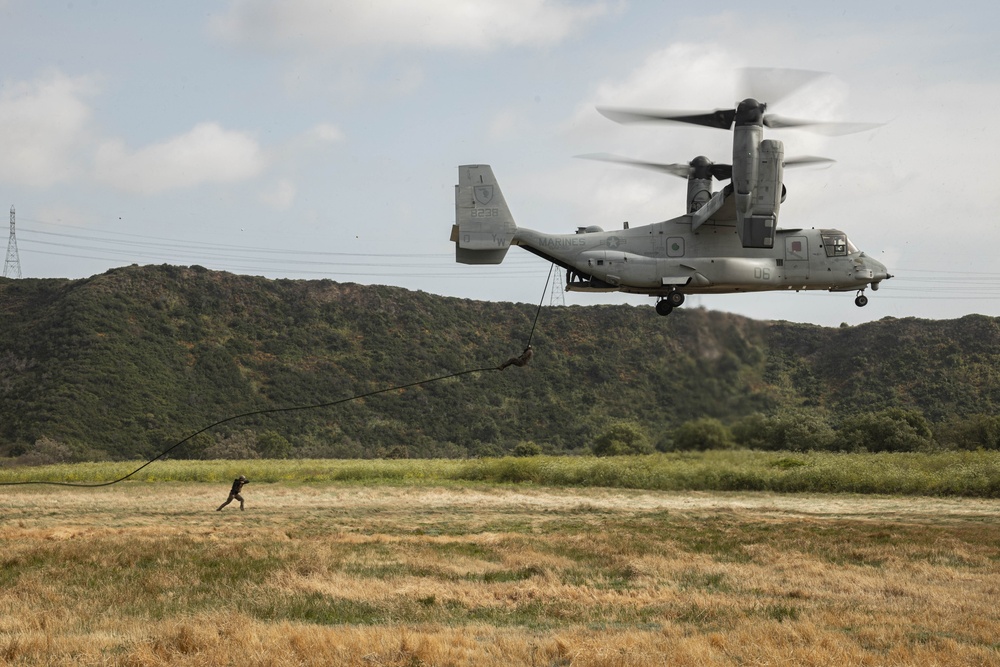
{"x":234,"y":493}
{"x":517,"y":361}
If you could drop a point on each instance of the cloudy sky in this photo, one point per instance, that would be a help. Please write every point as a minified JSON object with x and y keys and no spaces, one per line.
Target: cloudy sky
{"x":319,"y":139}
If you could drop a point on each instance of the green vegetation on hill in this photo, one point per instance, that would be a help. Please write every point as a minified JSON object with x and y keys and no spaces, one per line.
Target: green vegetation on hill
{"x":124,"y":364}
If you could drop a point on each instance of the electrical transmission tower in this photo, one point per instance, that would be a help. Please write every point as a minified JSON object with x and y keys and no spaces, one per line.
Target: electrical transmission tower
{"x":12,"y":265}
{"x":558,"y":296}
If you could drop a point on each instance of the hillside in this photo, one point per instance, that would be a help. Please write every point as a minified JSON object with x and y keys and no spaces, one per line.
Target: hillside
{"x":126,"y":363}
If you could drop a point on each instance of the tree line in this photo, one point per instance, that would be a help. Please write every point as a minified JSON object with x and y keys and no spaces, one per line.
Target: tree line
{"x":126,"y":364}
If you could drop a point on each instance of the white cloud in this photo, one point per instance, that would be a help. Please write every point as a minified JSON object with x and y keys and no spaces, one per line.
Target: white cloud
{"x":696,"y":73}
{"x":325,"y":132}
{"x":682,"y":76}
{"x":43,"y":124}
{"x":686,"y":75}
{"x":703,"y":76}
{"x":505,"y":124}
{"x":478,"y":25}
{"x":280,"y":196}
{"x":206,"y":154}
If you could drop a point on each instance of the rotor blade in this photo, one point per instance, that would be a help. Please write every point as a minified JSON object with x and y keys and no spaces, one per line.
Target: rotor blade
{"x":722,"y":172}
{"x":720,"y":118}
{"x":819,"y":127}
{"x":772,"y":84}
{"x":682,"y":170}
{"x":805,"y":160}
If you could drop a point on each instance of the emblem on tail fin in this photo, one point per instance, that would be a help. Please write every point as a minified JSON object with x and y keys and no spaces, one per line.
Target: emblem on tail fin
{"x":484,"y":194}
{"x":484,"y":227}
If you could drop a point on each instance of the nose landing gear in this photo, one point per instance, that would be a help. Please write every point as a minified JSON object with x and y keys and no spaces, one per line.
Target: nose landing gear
{"x":861,"y":301}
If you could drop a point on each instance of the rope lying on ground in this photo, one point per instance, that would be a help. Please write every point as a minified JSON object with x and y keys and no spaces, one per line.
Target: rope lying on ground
{"x":516,"y":361}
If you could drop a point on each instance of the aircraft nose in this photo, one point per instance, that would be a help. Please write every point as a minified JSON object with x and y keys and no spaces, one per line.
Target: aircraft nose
{"x":879,"y":272}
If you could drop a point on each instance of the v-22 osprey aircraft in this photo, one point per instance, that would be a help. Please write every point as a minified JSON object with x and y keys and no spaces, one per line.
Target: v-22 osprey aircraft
{"x":727,"y":241}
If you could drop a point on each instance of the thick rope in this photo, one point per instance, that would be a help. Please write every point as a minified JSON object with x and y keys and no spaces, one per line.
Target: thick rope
{"x":540,"y":302}
{"x":290,"y":409}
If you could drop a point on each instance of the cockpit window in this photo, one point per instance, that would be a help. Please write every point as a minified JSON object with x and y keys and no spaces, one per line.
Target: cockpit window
{"x":837,"y":245}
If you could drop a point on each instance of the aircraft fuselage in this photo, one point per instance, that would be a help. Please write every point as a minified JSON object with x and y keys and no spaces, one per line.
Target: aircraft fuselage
{"x":667,"y":256}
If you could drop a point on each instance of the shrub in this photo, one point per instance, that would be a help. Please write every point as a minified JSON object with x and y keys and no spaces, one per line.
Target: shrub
{"x":702,"y":434}
{"x":396,"y":452}
{"x":235,"y":446}
{"x":273,"y":445}
{"x":971,"y":432}
{"x":622,"y":439}
{"x":194,"y":448}
{"x":481,"y":450}
{"x":795,"y":430}
{"x":753,"y":431}
{"x":892,"y":430}
{"x":46,"y":451}
{"x":526,"y":448}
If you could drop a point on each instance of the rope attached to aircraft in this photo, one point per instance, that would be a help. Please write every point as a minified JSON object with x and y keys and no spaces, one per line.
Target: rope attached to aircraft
{"x":514,"y":361}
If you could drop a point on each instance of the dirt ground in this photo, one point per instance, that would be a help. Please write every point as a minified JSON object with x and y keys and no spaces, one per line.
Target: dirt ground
{"x":146,"y":504}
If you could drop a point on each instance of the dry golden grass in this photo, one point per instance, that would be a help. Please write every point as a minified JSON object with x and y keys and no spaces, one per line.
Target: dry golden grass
{"x":149,"y":574}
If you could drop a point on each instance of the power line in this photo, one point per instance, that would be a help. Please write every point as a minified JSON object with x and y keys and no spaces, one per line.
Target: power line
{"x":169,"y":243}
{"x":97,"y":244}
{"x":104,"y":245}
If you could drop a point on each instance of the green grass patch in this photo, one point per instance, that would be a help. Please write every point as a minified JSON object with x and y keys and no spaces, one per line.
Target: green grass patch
{"x":317,"y":608}
{"x":711,"y":582}
{"x":973,"y":474}
{"x":505,"y":576}
{"x":781,"y":612}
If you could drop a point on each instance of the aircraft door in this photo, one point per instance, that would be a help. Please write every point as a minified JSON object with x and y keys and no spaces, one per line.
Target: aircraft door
{"x":796,"y":257}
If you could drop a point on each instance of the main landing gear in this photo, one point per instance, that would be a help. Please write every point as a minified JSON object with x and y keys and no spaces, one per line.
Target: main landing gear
{"x":861,"y":301}
{"x":672,"y":300}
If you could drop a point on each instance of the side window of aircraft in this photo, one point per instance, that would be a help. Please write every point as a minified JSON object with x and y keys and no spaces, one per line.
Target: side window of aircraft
{"x":835,"y":245}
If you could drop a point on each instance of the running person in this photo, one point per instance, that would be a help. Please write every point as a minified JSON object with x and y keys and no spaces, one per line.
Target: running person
{"x":235,"y":492}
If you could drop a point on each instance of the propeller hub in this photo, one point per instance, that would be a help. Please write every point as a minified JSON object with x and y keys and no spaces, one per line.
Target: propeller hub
{"x":750,"y":112}
{"x":701,"y":167}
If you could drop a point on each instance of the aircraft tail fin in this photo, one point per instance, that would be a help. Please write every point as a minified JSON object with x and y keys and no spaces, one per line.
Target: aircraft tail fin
{"x":484,"y":226}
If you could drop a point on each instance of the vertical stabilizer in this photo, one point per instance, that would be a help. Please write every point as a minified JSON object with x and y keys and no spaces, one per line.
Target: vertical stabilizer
{"x":484,"y":226}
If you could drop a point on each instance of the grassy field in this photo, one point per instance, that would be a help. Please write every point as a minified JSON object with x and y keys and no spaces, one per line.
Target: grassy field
{"x":966,"y":473}
{"x":428,"y":570}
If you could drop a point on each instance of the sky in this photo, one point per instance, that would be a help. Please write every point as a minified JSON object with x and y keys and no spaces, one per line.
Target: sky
{"x":310,"y":139}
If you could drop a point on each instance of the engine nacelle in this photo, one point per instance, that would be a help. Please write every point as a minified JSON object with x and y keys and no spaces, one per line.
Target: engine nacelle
{"x":700,"y":183}
{"x":746,"y":164}
{"x":767,"y":193}
{"x":699,"y":193}
{"x":756,"y":227}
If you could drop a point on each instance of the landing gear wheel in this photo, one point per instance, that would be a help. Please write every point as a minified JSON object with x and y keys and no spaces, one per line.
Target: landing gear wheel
{"x":861,"y":301}
{"x":663,"y":307}
{"x":675,"y":299}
